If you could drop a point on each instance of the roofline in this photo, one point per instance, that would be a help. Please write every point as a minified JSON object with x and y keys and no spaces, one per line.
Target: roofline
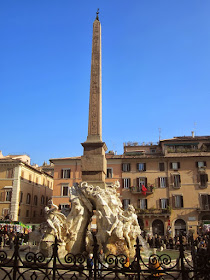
{"x":18,"y":161}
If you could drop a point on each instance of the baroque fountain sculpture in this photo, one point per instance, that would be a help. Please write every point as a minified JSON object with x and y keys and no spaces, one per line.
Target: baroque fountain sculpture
{"x":117,"y":229}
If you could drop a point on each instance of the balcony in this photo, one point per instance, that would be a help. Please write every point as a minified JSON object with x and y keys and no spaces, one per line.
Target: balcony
{"x":154,"y":212}
{"x":205,"y":207}
{"x":138,"y":190}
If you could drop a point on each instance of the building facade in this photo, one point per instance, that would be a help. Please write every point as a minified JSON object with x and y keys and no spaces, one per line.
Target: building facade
{"x":167,"y":183}
{"x":24,"y":190}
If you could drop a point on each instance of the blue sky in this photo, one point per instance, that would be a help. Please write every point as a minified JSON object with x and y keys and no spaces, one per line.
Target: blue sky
{"x":155,"y":73}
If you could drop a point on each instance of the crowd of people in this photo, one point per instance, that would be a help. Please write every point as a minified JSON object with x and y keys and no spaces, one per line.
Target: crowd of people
{"x":201,"y":242}
{"x":7,"y":238}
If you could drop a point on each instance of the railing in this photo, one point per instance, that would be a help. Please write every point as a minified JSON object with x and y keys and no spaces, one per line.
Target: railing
{"x":205,"y":207}
{"x":153,"y":211}
{"x":138,"y":189}
{"x":35,"y":266}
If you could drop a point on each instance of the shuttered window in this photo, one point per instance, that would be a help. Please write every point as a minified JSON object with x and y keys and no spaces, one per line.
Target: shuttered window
{"x":141,"y":166}
{"x":126,"y":183}
{"x":175,"y":165}
{"x":164,"y":203}
{"x":143,"y":203}
{"x":65,"y":173}
{"x":162,"y":182}
{"x":178,"y":201}
{"x":126,"y":167}
{"x":203,"y":179}
{"x":161,"y":166}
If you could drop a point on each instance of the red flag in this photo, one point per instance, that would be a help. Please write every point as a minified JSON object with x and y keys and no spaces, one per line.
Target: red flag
{"x":143,"y":190}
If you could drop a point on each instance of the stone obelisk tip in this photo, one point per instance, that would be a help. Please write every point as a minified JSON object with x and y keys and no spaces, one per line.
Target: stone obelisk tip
{"x":97,"y":13}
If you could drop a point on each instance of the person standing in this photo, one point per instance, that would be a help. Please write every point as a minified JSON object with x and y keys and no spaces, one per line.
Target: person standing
{"x":90,"y":265}
{"x":100,"y":262}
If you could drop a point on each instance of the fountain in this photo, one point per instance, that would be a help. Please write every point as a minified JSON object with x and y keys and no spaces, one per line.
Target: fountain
{"x":117,"y":229}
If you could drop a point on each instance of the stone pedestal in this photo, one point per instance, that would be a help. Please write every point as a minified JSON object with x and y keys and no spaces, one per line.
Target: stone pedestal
{"x":93,"y":163}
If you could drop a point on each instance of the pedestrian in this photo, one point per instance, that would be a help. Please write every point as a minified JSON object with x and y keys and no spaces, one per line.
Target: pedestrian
{"x":101,"y":261}
{"x":90,"y":265}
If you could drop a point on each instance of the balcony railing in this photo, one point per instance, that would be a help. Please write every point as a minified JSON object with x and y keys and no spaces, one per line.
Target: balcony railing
{"x":205,"y":207}
{"x":138,"y":189}
{"x":187,"y":150}
{"x":153,"y":211}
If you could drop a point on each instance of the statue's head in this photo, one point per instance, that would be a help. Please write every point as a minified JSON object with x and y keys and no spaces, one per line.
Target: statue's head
{"x":46,"y":209}
{"x":50,"y":203}
{"x":131,"y":208}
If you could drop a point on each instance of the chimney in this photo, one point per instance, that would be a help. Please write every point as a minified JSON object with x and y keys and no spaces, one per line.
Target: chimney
{"x":1,"y":155}
{"x":193,"y":134}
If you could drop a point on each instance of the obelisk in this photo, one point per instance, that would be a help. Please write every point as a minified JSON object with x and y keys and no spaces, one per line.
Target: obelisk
{"x":93,"y":161}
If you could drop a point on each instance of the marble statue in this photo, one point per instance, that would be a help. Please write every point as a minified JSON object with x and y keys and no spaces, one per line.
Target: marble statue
{"x":114,"y":225}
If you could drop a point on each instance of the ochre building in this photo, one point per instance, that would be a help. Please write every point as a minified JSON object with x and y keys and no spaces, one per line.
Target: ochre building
{"x":24,"y":190}
{"x":167,"y":183}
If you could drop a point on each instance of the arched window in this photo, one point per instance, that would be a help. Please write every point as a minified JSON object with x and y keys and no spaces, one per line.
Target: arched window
{"x":28,"y":198}
{"x":35,"y":200}
{"x":42,"y":199}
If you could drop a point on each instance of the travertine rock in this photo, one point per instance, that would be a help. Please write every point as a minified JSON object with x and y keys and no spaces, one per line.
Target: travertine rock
{"x":116,"y":229}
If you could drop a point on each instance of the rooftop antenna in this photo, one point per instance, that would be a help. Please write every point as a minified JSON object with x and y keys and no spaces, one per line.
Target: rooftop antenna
{"x":159,"y":133}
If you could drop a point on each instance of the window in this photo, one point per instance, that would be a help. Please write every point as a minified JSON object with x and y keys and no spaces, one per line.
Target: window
{"x":126,"y":183}
{"x":34,"y":214}
{"x":153,"y":150}
{"x":65,"y":191}
{"x":43,"y":181}
{"x":65,"y":173}
{"x":19,"y":211}
{"x":42,"y":199}
{"x":162,"y":182}
{"x":35,"y":200}
{"x":200,"y":164}
{"x":203,"y":180}
{"x":176,"y":180}
{"x":48,"y":183}
{"x":126,"y":167}
{"x":143,"y":203}
{"x":37,"y":180}
{"x":41,"y":212}
{"x":5,"y":213}
{"x":140,"y":182}
{"x":178,"y":201}
{"x":109,"y":173}
{"x":205,"y":201}
{"x":21,"y":197}
{"x":30,"y":178}
{"x":126,"y":202}
{"x":28,"y":198}
{"x":10,"y":173}
{"x":22,"y":175}
{"x":175,"y":165}
{"x":8,"y":195}
{"x":27,"y":213}
{"x":164,"y":203}
{"x":141,"y":166}
{"x":161,"y":166}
